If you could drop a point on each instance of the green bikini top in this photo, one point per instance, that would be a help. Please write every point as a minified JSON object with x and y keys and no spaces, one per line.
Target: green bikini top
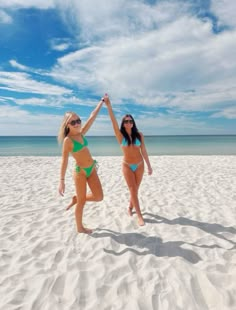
{"x":79,"y":146}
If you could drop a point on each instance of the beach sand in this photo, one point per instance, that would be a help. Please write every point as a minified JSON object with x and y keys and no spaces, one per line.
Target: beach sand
{"x":183,"y":258}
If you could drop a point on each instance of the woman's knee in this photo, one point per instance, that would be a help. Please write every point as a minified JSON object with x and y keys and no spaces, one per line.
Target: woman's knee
{"x":81,"y":202}
{"x":99,"y":196}
{"x":133,"y":190}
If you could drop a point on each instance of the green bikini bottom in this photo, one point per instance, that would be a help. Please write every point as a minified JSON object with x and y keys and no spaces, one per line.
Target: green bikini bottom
{"x":88,"y":170}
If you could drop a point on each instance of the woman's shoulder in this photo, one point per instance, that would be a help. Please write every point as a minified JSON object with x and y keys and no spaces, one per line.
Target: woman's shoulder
{"x":141,"y":134}
{"x":67,"y":141}
{"x":67,"y":145}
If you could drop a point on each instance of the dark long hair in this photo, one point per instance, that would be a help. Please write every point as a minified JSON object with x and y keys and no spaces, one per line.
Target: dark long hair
{"x":134,"y":131}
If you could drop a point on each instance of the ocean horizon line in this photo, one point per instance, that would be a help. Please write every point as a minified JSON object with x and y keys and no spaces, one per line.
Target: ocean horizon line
{"x":170,"y":135}
{"x":108,"y":146}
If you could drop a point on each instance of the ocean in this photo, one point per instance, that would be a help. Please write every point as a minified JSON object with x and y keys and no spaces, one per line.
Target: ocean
{"x":108,"y":146}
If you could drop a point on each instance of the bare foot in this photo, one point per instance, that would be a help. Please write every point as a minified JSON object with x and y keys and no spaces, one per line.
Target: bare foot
{"x":141,"y":221}
{"x":130,"y":211}
{"x":85,"y":230}
{"x":73,"y":202}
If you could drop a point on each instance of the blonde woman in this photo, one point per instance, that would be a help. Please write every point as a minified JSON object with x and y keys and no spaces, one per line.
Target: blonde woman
{"x":135,"y":153}
{"x":72,"y":136}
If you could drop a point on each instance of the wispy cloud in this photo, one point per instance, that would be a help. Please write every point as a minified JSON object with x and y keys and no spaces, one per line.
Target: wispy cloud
{"x":60,"y":44}
{"x":174,"y":55}
{"x":229,"y":113}
{"x":30,"y":123}
{"x":17,"y":4}
{"x":55,"y":101}
{"x":22,"y":82}
{"x":27,"y":123}
{"x":17,"y":65}
{"x":5,"y":18}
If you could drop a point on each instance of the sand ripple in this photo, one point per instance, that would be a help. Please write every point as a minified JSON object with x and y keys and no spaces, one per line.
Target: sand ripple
{"x":183,"y":258}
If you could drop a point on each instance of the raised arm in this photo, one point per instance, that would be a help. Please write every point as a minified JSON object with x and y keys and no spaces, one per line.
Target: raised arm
{"x":113,"y":119}
{"x":92,"y":117}
{"x":145,"y":154}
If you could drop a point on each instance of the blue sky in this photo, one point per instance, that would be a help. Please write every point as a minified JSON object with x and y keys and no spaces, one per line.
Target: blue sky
{"x":170,"y":63}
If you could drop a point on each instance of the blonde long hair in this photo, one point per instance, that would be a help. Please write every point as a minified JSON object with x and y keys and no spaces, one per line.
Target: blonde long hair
{"x":64,"y":130}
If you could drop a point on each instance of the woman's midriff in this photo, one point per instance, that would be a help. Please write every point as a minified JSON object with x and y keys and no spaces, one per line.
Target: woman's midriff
{"x":132,"y":155}
{"x":83,"y":158}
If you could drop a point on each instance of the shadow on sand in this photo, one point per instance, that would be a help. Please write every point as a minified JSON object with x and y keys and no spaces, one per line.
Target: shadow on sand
{"x":213,"y":229}
{"x":150,"y":245}
{"x":155,"y":245}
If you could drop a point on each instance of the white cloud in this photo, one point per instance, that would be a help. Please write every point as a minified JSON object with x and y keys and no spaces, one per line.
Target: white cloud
{"x":151,"y":55}
{"x":224,"y":11}
{"x":207,"y":98}
{"x":22,"y":82}
{"x":170,"y":124}
{"x":26,"y":123}
{"x":17,"y":65}
{"x":59,"y":44}
{"x":118,"y":18}
{"x":229,"y":113}
{"x":61,"y":47}
{"x":5,"y":18}
{"x":44,"y":102}
{"x":40,"y":4}
{"x":183,"y":64}
{"x":53,"y":101}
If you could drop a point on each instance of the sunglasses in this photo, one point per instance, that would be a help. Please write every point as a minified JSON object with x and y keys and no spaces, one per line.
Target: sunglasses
{"x":128,"y":121}
{"x":76,"y":121}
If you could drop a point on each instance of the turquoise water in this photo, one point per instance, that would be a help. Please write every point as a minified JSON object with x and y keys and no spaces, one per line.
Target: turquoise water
{"x":108,"y":146}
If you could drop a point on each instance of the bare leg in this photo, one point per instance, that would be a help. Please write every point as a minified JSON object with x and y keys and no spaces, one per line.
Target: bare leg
{"x":95,"y":186}
{"x":131,"y":180}
{"x":80,"y":185}
{"x":72,"y":203}
{"x":96,"y":190}
{"x":130,"y":208}
{"x":138,"y":178}
{"x":135,"y":202}
{"x":96,"y":195}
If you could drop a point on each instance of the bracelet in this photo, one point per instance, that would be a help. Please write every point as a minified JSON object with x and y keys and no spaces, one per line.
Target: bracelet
{"x":62,"y":179}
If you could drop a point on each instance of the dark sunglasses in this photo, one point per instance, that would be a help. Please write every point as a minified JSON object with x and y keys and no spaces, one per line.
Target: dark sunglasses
{"x":127,"y":121}
{"x":76,"y":121}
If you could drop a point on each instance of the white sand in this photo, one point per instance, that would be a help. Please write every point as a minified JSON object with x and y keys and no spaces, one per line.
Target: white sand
{"x":183,"y":258}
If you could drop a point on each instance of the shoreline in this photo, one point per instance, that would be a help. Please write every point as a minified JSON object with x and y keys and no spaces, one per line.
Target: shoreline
{"x":184,"y":255}
{"x":108,"y":146}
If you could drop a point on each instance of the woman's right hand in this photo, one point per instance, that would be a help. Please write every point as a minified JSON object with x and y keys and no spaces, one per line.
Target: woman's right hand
{"x":106,"y":100}
{"x":61,"y":188}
